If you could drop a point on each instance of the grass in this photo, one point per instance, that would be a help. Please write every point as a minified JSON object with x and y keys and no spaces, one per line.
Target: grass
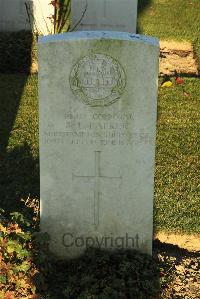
{"x":176,"y":185}
{"x":171,"y":19}
{"x":19,"y":167}
{"x":167,"y":19}
{"x":177,"y":203}
{"x":25,"y":128}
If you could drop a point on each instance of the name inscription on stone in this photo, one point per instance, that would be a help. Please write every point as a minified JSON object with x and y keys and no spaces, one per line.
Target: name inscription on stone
{"x":97,"y":80}
{"x":100,"y":129}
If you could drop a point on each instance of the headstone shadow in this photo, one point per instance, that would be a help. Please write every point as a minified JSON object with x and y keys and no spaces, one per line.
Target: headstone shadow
{"x":174,"y":250}
{"x":171,"y":259}
{"x":18,"y":176}
{"x":19,"y":179}
{"x":100,"y":274}
{"x":123,"y":274}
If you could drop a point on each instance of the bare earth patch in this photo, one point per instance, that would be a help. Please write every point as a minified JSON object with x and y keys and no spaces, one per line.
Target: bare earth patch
{"x":180,"y":254}
{"x":177,"y":57}
{"x":188,"y":242}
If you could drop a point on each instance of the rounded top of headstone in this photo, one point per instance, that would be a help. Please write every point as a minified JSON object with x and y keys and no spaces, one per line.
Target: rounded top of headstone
{"x":99,"y":35}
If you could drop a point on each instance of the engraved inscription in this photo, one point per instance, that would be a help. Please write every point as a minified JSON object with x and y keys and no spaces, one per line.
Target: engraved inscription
{"x":101,"y":129}
{"x":98,"y":80}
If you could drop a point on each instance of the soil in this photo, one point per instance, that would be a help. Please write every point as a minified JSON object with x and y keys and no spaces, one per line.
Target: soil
{"x":180,"y":257}
{"x":188,"y":242}
{"x":177,"y":57}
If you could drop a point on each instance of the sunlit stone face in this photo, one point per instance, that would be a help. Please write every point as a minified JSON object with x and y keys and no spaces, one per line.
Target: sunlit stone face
{"x":98,"y":104}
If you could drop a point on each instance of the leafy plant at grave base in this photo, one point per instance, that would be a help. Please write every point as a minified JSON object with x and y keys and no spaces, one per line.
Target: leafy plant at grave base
{"x":103,"y":274}
{"x":60,"y":18}
{"x":29,"y":270}
{"x":22,"y":253}
{"x":17,"y":258}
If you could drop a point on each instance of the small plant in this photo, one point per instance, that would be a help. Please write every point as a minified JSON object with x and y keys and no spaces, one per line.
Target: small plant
{"x":16,"y":259}
{"x":24,"y":258}
{"x":59,"y":19}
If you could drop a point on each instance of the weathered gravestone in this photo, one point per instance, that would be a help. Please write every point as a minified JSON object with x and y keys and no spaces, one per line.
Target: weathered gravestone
{"x":16,"y":15}
{"x":98,"y":105}
{"x":13,"y":15}
{"x":114,"y":15}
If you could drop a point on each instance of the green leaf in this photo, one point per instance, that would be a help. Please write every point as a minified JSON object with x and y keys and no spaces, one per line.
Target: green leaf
{"x":22,"y":253}
{"x":24,"y":267}
{"x":3,"y":279}
{"x":11,"y":246}
{"x":19,"y":218}
{"x":16,"y":216}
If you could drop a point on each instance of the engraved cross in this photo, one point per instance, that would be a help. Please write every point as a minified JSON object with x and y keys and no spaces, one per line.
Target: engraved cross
{"x":97,"y":188}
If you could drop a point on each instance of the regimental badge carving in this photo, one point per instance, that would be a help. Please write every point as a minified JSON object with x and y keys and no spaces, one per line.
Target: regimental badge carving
{"x":98,"y":80}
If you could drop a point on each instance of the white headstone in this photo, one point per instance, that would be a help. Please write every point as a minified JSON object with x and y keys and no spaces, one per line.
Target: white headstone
{"x":98,"y":103}
{"x":14,"y":16}
{"x":111,"y":15}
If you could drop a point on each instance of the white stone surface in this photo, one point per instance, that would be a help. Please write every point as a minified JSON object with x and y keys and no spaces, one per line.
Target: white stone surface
{"x":98,"y":103}
{"x":113,"y":15}
{"x":13,"y":15}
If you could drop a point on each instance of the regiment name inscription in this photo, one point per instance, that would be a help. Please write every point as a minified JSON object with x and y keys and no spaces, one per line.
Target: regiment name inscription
{"x":98,"y":129}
